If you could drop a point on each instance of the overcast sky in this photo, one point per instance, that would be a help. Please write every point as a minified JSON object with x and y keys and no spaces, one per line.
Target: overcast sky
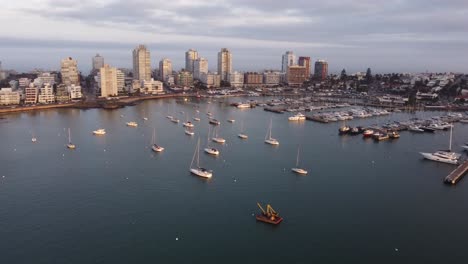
{"x":386,"y":35}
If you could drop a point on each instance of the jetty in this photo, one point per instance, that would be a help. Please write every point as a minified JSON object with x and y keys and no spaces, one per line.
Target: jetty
{"x":457,"y":174}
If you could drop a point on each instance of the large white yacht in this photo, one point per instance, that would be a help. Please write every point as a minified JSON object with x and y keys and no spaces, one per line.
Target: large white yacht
{"x":132,"y":124}
{"x":446,"y":156}
{"x":297,"y":117}
{"x":100,"y":131}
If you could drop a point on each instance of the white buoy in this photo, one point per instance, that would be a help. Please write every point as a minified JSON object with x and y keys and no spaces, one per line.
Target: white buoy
{"x":176,"y":238}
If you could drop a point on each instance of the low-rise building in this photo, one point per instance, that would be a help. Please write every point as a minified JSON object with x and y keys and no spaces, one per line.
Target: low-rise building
{"x":45,"y":77}
{"x":211,"y":80}
{"x":184,"y":79}
{"x":271,"y":78}
{"x":152,"y":87}
{"x":253,"y":79}
{"x":236,"y":79}
{"x":75,"y":92}
{"x":23,"y":83}
{"x":62,"y":94}
{"x":46,"y":94}
{"x":31,"y":94}
{"x":8,"y":97}
{"x":296,"y":75}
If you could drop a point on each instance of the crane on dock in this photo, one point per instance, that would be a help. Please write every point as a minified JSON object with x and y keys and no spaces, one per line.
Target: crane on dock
{"x":269,"y":215}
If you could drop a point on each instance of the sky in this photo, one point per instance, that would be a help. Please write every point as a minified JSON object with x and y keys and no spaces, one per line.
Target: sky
{"x":385,"y":35}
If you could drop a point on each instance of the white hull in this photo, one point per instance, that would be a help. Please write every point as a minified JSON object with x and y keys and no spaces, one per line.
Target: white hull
{"x":243,"y":136}
{"x":272,"y":141}
{"x":188,"y":125}
{"x":157,"y":148}
{"x":99,"y":132}
{"x":190,"y":133}
{"x":71,"y":146}
{"x":219,"y":140}
{"x":196,"y":119}
{"x":299,"y":171}
{"x":201,"y":173}
{"x":169,"y":117}
{"x":212,"y":151}
{"x":33,"y":139}
{"x":243,"y":106}
{"x":432,"y":157}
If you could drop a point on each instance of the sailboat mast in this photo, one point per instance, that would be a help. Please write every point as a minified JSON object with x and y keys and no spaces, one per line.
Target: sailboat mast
{"x":271,"y":124}
{"x":198,"y":153}
{"x":297,"y":158}
{"x":450,"y":142}
{"x":69,"y":136}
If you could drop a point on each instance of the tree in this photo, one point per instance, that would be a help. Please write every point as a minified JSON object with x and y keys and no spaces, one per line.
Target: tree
{"x":343,"y":75}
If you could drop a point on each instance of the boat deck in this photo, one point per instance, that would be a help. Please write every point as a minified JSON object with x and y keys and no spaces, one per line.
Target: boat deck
{"x":457,"y":174}
{"x":265,"y":219}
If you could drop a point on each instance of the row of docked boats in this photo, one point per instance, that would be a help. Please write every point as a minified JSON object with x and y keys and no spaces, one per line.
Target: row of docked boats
{"x":349,"y":115}
{"x":377,"y":134}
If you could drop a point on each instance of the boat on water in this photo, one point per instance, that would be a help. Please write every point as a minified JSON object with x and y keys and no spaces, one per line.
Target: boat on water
{"x":344,"y":130}
{"x":231,"y":120}
{"x":175,"y":120}
{"x":33,"y":139}
{"x":268,"y":138}
{"x":297,"y":117}
{"x":208,"y":149}
{"x":155,"y":147}
{"x":217,"y":138}
{"x":132,"y":124}
{"x":199,"y":171}
{"x":189,"y":132}
{"x":188,"y":124}
{"x":394,"y":135}
{"x":70,"y":145}
{"x":196,"y":119}
{"x":465,"y":121}
{"x":355,"y":130}
{"x":100,"y":131}
{"x":269,"y":215}
{"x":428,"y":129}
{"x":380,"y":136}
{"x":465,"y":146}
{"x":242,"y":134}
{"x":368,"y":133}
{"x":415,"y":129}
{"x":169,"y":117}
{"x":214,"y":122}
{"x":243,"y":105}
{"x":297,"y":169}
{"x":445,"y":156}
{"x":145,"y":118}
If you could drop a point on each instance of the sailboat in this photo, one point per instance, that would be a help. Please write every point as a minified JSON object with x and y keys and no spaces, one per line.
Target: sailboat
{"x":446,"y":156}
{"x":199,"y":171}
{"x":155,"y":147}
{"x":70,"y":145}
{"x":268,"y":138}
{"x":218,"y":139}
{"x":242,"y":135}
{"x":33,"y":139}
{"x":187,"y":123}
{"x":297,"y":169}
{"x":208,"y":149}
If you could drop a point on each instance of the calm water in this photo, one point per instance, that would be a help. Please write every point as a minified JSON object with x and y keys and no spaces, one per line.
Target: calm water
{"x":112,"y":200}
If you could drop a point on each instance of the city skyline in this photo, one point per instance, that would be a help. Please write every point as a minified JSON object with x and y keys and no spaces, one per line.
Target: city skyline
{"x":388,"y":36}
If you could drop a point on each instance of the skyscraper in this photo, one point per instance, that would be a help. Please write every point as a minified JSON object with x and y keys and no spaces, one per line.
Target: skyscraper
{"x":98,"y":63}
{"x":69,"y":71}
{"x":200,"y":66}
{"x":108,"y":77}
{"x":305,"y":62}
{"x":141,"y":63}
{"x":224,"y":64}
{"x":289,"y":59}
{"x":165,"y":69}
{"x":321,"y":69}
{"x":190,"y":56}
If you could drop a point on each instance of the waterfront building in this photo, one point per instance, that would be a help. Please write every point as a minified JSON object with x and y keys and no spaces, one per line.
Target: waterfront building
{"x":224,"y":64}
{"x":45,"y":77}
{"x":75,"y":92}
{"x":184,"y":78}
{"x":62,"y":94}
{"x":141,"y":63}
{"x":98,"y":63}
{"x":190,"y":56}
{"x":136,"y":86}
{"x":305,"y":62}
{"x":23,"y":83}
{"x":271,"y":78}
{"x":152,"y":87}
{"x":165,"y":69}
{"x":211,"y":80}
{"x":296,"y":75}
{"x":108,"y":80}
{"x":253,"y":79}
{"x":31,"y":93}
{"x":46,"y":94}
{"x":8,"y":97}
{"x":321,"y":70}
{"x":69,"y":71}
{"x":120,"y":81}
{"x":288,"y":59}
{"x":200,"y":66}
{"x":236,"y":79}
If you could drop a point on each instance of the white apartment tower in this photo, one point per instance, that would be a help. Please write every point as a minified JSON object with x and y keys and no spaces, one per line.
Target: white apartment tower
{"x":289,"y":59}
{"x":200,"y":67}
{"x":165,"y":69}
{"x":108,"y":77}
{"x":98,"y":62}
{"x":190,"y":56}
{"x":69,"y":71}
{"x":141,"y":63}
{"x":224,"y":64}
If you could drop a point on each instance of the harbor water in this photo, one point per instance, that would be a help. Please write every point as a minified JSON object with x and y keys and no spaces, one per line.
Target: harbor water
{"x":113,"y":200}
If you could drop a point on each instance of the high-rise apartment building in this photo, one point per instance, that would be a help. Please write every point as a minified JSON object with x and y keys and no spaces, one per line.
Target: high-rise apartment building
{"x":98,"y":63}
{"x":190,"y":56}
{"x":108,"y":76}
{"x":321,"y":69}
{"x":141,"y":63}
{"x":165,"y":69}
{"x":120,"y":81}
{"x":200,"y":66}
{"x":289,"y":59}
{"x":69,"y":71}
{"x":224,"y":64}
{"x":305,"y":62}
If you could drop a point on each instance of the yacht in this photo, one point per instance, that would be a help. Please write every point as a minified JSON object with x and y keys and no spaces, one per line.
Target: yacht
{"x":297,"y":117}
{"x":145,"y":118}
{"x":189,"y":132}
{"x":212,"y":151}
{"x":214,"y":121}
{"x":446,"y":156}
{"x":415,"y":129}
{"x":196,"y":119}
{"x":132,"y":124}
{"x":188,"y":124}
{"x":297,"y":169}
{"x":155,"y":147}
{"x":394,"y":135}
{"x":70,"y":145}
{"x":269,"y":139}
{"x":243,"y":106}
{"x":100,"y":131}
{"x":368,"y":133}
{"x":231,"y":120}
{"x":344,"y":129}
{"x":199,"y":171}
{"x":218,"y":139}
{"x":175,"y":120}
{"x":169,"y":117}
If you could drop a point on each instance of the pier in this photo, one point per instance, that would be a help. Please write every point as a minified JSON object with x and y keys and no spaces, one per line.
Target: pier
{"x":457,"y":174}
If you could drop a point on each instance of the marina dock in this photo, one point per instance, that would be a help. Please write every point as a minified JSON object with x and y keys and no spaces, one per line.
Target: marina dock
{"x":457,"y":174}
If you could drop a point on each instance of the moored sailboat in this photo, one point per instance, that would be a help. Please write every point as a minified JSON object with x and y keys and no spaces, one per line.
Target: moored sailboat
{"x":199,"y":171}
{"x":445,"y":156}
{"x":297,"y":169}
{"x":70,"y":145}
{"x":155,"y":147}
{"x":268,"y":139}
